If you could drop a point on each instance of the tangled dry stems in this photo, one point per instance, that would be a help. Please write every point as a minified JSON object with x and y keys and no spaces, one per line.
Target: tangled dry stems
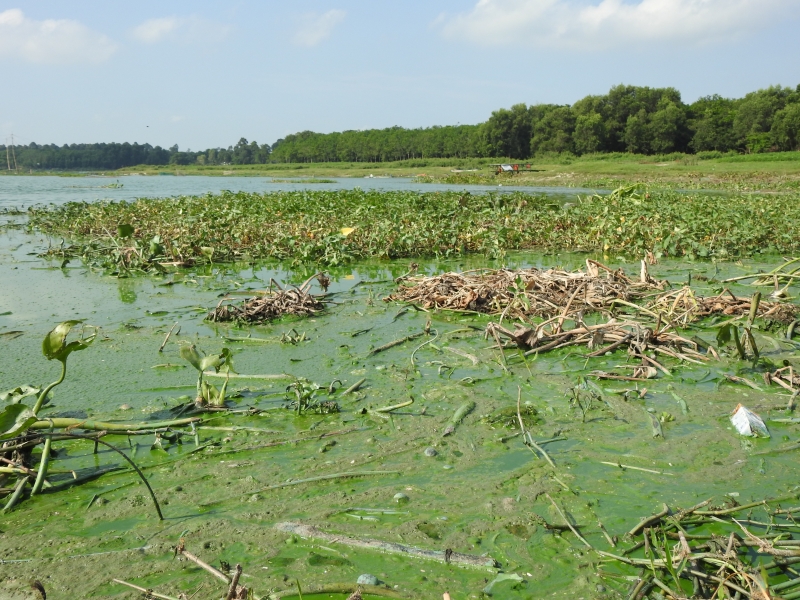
{"x":272,"y":304}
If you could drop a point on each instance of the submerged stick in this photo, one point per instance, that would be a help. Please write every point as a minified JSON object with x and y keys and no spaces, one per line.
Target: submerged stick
{"x":394,"y":343}
{"x":347,"y":475}
{"x":571,"y":528}
{"x":337,"y":588}
{"x":240,"y":376}
{"x":455,"y":558}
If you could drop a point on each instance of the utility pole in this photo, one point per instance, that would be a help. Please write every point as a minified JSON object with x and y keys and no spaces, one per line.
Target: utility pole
{"x":8,"y":158}
{"x":14,"y":154}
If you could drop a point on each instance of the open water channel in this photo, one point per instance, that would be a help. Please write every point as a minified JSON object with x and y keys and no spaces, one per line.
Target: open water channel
{"x":480,"y":493}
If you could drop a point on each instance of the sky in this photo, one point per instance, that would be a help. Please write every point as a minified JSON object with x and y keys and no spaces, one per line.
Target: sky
{"x":204,"y":74}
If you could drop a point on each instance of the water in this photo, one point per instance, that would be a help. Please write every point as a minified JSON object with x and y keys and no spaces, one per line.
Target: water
{"x":487,"y":501}
{"x":22,"y":192}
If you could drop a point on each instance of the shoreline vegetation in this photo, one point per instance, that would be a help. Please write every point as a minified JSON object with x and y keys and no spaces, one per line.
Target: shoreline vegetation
{"x":779,"y":171}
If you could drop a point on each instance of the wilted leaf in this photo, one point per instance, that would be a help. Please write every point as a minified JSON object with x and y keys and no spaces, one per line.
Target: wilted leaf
{"x":14,"y":420}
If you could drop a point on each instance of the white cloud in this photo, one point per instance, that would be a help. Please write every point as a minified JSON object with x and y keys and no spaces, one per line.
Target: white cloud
{"x":588,"y":24}
{"x":316,"y":28}
{"x":184,"y":29}
{"x":51,"y":41}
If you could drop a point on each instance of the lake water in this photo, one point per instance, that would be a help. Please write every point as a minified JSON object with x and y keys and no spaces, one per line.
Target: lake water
{"x":21,"y":192}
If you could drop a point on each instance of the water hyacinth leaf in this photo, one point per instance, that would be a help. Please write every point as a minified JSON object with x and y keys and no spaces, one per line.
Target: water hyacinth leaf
{"x":221,"y":363}
{"x":18,"y":393}
{"x":190,"y":354}
{"x":156,"y":249}
{"x":14,"y":420}
{"x":125,"y":230}
{"x":55,"y":347}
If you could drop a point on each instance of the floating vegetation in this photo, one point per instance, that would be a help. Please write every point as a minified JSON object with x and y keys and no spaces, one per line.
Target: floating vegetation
{"x":273,"y":304}
{"x":526,"y":292}
{"x":712,"y":552}
{"x":336,"y":227}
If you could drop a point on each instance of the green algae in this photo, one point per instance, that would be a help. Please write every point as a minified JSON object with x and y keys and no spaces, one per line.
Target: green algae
{"x":489,"y":500}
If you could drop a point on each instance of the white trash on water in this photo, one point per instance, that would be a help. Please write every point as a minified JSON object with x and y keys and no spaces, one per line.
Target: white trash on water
{"x":747,"y":422}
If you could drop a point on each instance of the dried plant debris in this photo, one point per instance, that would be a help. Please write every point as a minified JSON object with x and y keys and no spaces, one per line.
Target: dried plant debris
{"x":678,"y":556}
{"x":682,"y":306}
{"x":528,"y":292}
{"x":554,"y":293}
{"x":274,"y":303}
{"x":639,"y":341}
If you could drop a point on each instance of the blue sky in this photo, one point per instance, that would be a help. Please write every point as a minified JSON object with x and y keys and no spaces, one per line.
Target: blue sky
{"x":203,"y":74}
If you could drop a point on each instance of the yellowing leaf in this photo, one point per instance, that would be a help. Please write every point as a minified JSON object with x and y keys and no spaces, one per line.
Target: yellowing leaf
{"x":347,"y":230}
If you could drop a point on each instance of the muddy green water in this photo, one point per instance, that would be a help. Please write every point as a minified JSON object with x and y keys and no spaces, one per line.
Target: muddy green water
{"x":478,"y":495}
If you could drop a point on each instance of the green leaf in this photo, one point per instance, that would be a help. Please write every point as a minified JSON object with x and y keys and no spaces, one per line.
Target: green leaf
{"x":55,"y":344}
{"x":18,"y":393}
{"x":724,"y":334}
{"x":125,"y":230}
{"x":14,"y":420}
{"x":190,"y":354}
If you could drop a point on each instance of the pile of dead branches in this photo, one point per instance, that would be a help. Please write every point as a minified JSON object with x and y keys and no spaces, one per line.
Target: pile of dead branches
{"x":273,"y":303}
{"x":600,"y":339}
{"x":528,"y":292}
{"x":682,"y":307}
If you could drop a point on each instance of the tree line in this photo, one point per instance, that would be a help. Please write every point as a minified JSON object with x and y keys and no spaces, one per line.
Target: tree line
{"x":634,"y":119}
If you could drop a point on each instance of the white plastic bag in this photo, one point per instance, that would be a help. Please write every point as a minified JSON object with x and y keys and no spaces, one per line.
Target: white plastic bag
{"x":749,"y":423}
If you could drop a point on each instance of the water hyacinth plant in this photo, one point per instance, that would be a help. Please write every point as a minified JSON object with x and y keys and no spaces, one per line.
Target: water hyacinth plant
{"x":336,"y":227}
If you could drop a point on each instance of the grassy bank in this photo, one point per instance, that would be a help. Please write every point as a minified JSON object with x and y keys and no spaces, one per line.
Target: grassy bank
{"x":337,"y":227}
{"x":778,"y":171}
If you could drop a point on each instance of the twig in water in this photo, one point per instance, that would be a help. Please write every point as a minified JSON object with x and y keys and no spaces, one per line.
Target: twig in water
{"x":166,"y":339}
{"x":564,"y":517}
{"x":456,"y":558}
{"x":234,"y":591}
{"x":145,"y":591}
{"x":394,"y":343}
{"x":348,"y":475}
{"x":181,"y":549}
{"x":354,"y":387}
{"x":621,"y":466}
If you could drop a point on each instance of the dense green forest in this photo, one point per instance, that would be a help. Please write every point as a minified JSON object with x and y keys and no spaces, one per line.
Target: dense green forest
{"x":633,"y":119}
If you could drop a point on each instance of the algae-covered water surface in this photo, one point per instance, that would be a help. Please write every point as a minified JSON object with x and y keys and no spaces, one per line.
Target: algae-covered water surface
{"x":412,"y":468}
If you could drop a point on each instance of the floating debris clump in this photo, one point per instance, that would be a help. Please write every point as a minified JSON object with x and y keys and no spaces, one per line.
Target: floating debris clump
{"x":527,"y":292}
{"x":273,"y":304}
